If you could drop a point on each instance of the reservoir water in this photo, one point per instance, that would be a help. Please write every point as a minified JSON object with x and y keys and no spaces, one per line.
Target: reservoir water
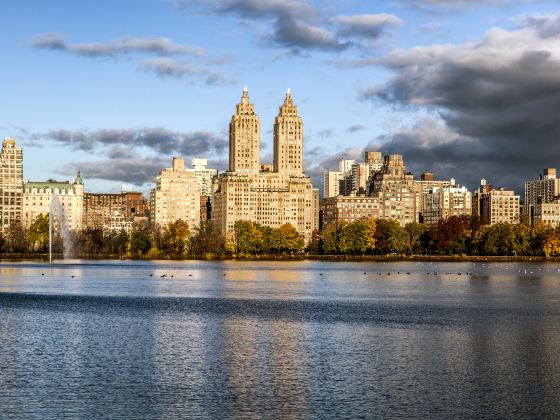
{"x":306,"y":339}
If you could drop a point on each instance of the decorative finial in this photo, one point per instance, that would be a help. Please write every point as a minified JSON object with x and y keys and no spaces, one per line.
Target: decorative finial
{"x":288,"y":92}
{"x":245,"y":89}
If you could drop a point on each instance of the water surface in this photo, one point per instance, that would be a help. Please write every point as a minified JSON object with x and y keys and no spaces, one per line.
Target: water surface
{"x":279,"y":339}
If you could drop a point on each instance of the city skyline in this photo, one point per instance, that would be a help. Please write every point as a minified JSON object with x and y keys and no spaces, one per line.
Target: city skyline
{"x":117,"y":103}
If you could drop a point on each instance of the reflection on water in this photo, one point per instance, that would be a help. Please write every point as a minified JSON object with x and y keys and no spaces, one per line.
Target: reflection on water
{"x":276,"y":340}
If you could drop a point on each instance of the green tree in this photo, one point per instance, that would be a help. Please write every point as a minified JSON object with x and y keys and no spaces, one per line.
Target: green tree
{"x":248,"y":238}
{"x":140,"y":242}
{"x":38,"y":234}
{"x":390,"y":237}
{"x":330,"y":238}
{"x":15,"y":238}
{"x":353,"y":238}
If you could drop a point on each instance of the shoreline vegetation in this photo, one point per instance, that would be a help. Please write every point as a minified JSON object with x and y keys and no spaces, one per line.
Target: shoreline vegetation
{"x":457,"y":238}
{"x":57,"y":258}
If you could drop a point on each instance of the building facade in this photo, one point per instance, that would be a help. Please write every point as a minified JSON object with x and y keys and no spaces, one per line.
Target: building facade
{"x":395,"y":190}
{"x":176,"y":196}
{"x":540,"y":192}
{"x":349,"y":209}
{"x":204,"y":176}
{"x":499,"y":206}
{"x":271,"y":198}
{"x":65,"y":200}
{"x":442,"y":203}
{"x":11,"y":183}
{"x":100,"y":208}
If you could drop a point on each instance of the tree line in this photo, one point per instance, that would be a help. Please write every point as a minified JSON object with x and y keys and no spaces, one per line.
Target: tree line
{"x":457,"y":235}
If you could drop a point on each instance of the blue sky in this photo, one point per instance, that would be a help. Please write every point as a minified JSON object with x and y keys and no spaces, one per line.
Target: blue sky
{"x":466,"y":89}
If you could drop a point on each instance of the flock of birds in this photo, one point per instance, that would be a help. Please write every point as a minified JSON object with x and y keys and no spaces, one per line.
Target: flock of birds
{"x":388,"y":273}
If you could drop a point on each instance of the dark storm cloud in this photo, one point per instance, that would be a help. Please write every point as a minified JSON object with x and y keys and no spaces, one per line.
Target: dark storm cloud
{"x":136,"y":169}
{"x":168,"y":68}
{"x":160,"y":140}
{"x":123,"y":46}
{"x":298,"y":25}
{"x":501,"y":96}
{"x":325,"y":134}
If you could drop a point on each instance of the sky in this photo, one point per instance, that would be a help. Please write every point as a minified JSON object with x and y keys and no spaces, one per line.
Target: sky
{"x":467,"y":89}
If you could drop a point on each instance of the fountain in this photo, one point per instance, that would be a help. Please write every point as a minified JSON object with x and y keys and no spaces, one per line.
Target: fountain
{"x":57,"y":219}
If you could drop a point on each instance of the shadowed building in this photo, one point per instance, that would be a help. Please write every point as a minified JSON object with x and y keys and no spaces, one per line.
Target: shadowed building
{"x":100,"y":208}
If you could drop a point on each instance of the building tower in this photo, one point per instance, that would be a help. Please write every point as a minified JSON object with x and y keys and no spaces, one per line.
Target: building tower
{"x":244,"y":138}
{"x":288,"y":140}
{"x":11,"y":183}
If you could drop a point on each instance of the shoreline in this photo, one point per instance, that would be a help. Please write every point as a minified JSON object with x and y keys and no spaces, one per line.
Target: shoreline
{"x":332,"y":258}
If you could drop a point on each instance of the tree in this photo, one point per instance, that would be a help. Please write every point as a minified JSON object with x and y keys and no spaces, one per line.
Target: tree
{"x":413,"y":234}
{"x":38,"y":234}
{"x":176,"y":237}
{"x":206,"y":241}
{"x":330,"y":238}
{"x":551,"y":246}
{"x":390,"y":237}
{"x":140,"y":242}
{"x":353,"y":239}
{"x":16,"y":239}
{"x":453,"y":235}
{"x":248,"y":238}
{"x":289,"y":239}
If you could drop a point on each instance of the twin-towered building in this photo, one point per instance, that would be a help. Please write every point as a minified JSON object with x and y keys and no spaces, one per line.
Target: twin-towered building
{"x":271,"y":196}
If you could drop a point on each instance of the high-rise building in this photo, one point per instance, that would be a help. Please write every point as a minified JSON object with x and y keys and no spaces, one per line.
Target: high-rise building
{"x":244,"y":138}
{"x":546,"y":189}
{"x":393,"y":197}
{"x":176,"y":196}
{"x":495,"y":205}
{"x":288,"y":140}
{"x":64,"y":199}
{"x":271,"y":198}
{"x":395,"y":190}
{"x":11,"y":183}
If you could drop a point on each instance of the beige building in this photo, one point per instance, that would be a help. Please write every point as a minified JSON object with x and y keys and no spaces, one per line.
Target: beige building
{"x":396,"y":192}
{"x":499,"y":206}
{"x":271,"y":198}
{"x":394,"y":197}
{"x":11,"y":183}
{"x":547,"y":213}
{"x":347,"y":208}
{"x":441,"y":203}
{"x":176,"y":196}
{"x":331,"y":183}
{"x":542,"y":191}
{"x":64,"y":199}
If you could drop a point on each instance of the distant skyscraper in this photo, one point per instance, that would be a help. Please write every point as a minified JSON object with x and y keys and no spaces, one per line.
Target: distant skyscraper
{"x":11,"y":183}
{"x":269,"y":197}
{"x":288,"y":140}
{"x":542,"y":191}
{"x":244,"y":138}
{"x":176,"y":196}
{"x":495,"y":205}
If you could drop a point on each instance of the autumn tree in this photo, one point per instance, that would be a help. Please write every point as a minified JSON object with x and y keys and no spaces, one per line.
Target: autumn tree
{"x":176,"y":237}
{"x":390,"y":237}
